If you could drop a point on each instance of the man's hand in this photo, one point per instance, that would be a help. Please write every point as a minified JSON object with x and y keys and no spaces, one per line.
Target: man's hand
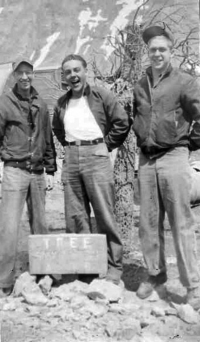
{"x":49,"y":182}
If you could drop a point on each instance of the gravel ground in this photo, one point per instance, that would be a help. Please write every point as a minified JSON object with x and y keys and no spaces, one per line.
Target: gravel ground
{"x":29,"y":327}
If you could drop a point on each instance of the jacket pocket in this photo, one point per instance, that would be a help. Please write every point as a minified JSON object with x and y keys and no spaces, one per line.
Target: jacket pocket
{"x":140,"y":126}
{"x":166,"y":130}
{"x":100,"y":150}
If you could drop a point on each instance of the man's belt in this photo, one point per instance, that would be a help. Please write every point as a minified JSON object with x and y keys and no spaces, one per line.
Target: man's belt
{"x":84,"y":142}
{"x":154,"y":152}
{"x":24,"y":165}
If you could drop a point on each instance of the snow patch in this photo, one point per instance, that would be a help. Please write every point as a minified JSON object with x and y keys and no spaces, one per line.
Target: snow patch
{"x":1,"y":9}
{"x":86,"y":49}
{"x":87,"y":20}
{"x":32,"y":55}
{"x":80,"y":42}
{"x":5,"y":71}
{"x":45,"y":50}
{"x":120,"y":22}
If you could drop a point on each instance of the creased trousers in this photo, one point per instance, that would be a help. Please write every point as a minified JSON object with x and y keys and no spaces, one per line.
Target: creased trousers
{"x":19,"y":186}
{"x":87,"y":176}
{"x":165,"y":186}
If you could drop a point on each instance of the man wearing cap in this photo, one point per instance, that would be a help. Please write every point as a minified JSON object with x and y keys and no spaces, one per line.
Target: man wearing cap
{"x":27,"y":150}
{"x":89,"y":122}
{"x":167,"y":125}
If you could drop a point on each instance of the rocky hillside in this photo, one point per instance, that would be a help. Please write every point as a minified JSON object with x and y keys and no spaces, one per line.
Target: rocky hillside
{"x":47,"y":30}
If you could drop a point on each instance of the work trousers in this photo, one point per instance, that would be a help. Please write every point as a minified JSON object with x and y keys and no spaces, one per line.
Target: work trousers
{"x":18,"y":186}
{"x":165,"y":186}
{"x":87,"y":176}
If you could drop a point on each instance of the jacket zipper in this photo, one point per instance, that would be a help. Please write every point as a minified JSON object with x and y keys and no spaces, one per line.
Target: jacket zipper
{"x":151,"y":106}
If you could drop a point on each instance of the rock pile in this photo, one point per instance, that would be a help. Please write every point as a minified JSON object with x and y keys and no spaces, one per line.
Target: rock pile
{"x":95,"y":312}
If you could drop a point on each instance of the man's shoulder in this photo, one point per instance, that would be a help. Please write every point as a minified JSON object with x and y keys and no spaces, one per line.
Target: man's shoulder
{"x":6,"y":97}
{"x":101,"y":92}
{"x":182,"y":73}
{"x":184,"y":78}
{"x":62,"y":99}
{"x":175,"y":72}
{"x":99,"y":89}
{"x":38,"y":98}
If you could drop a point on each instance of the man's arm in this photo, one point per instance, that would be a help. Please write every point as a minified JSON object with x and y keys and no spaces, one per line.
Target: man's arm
{"x":50,"y":153}
{"x":2,"y":125}
{"x":119,"y":121}
{"x":190,"y":99}
{"x":57,"y":126}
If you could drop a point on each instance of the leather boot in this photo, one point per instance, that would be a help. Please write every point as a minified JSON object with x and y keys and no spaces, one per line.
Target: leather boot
{"x":5,"y":292}
{"x":146,"y":288}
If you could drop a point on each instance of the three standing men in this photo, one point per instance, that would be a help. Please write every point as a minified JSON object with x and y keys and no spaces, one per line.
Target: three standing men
{"x":27,"y":150}
{"x":166,"y":104}
{"x":89,"y":122}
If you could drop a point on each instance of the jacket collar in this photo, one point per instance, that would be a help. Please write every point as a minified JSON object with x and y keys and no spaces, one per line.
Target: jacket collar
{"x":166,"y":72}
{"x":86,"y":92}
{"x":33,"y":93}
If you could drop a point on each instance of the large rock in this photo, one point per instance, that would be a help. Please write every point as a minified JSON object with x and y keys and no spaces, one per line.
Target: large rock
{"x":45,"y":284}
{"x":158,"y":311}
{"x":187,"y":313}
{"x":100,"y":288}
{"x":67,"y":291}
{"x":35,"y":297}
{"x":24,"y":283}
{"x":26,"y":286}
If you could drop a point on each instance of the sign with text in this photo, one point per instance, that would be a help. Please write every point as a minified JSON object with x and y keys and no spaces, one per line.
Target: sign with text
{"x":68,"y":254}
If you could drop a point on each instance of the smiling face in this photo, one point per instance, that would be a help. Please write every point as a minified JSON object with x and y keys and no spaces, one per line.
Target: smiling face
{"x":160,"y":53}
{"x":75,"y":76}
{"x":24,"y":77}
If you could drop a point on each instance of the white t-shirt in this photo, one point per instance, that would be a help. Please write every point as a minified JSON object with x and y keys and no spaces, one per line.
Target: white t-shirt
{"x":79,"y":122}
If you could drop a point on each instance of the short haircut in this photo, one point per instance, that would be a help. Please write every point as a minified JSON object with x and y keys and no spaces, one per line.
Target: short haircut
{"x":74,"y":57}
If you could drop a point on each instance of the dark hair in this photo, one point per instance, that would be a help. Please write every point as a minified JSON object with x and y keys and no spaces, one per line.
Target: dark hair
{"x":74,"y":57}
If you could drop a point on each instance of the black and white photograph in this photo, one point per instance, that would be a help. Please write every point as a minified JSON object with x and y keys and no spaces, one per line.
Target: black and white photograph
{"x":99,"y":171}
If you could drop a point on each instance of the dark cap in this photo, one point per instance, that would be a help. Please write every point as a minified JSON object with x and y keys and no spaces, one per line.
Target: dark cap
{"x":19,"y":61}
{"x":154,"y":31}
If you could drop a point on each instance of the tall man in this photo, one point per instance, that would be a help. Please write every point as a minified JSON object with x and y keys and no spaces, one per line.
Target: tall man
{"x":27,"y":149}
{"x":89,"y":122}
{"x":166,"y":102}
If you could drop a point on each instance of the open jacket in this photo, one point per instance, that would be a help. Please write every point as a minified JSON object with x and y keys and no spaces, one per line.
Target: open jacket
{"x":22,"y":138}
{"x":112,"y":119}
{"x":168,"y":114}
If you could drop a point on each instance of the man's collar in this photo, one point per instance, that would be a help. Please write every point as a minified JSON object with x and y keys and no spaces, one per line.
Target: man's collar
{"x":33,"y":93}
{"x":86,"y":92}
{"x":166,"y":72}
